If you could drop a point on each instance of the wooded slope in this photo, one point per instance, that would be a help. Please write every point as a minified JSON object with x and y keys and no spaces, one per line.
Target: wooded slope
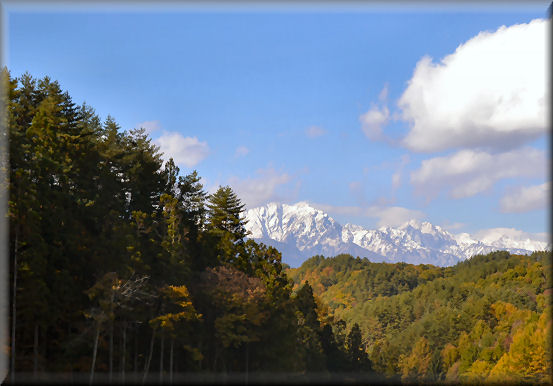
{"x":485,"y":319}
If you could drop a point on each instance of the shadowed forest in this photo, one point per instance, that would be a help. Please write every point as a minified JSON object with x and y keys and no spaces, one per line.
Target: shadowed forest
{"x":123,"y":269}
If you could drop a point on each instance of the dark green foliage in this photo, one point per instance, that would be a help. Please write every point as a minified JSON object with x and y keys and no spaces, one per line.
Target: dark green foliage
{"x":125,"y":266}
{"x":225,"y":213}
{"x":358,"y":359}
{"x":309,"y":330}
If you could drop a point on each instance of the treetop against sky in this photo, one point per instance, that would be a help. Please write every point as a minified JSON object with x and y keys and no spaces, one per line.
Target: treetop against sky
{"x":378,"y":115}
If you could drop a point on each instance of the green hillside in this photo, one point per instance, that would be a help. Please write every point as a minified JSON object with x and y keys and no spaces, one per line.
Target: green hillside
{"x":485,"y":319}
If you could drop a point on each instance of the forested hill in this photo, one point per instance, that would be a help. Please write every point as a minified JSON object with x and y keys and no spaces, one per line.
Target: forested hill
{"x":484,"y":319}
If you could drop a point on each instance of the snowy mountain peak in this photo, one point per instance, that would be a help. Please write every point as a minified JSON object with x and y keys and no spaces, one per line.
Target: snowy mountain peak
{"x":413,"y":223}
{"x":300,"y":231}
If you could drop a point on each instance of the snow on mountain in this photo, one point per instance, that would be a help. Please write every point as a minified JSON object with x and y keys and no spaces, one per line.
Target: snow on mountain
{"x":300,"y":231}
{"x":512,"y":238}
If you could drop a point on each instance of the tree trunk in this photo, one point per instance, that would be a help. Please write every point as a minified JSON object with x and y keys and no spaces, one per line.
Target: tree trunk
{"x":12,"y":359}
{"x":201,"y":360}
{"x":147,"y":367}
{"x":123,"y":355}
{"x":171,"y":363}
{"x":110,"y":350}
{"x":44,"y":347}
{"x":111,"y":337}
{"x":35,"y":352}
{"x":247,"y":360}
{"x":135,"y":350}
{"x":161,"y":358}
{"x":224,"y":363}
{"x":94,"y":353}
{"x":215,"y":360}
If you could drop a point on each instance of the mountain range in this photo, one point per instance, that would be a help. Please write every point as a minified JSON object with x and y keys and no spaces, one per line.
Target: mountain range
{"x":300,"y":231}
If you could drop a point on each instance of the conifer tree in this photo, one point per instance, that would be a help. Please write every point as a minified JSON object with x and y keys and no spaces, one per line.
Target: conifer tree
{"x":225,"y":213}
{"x":225,"y":230}
{"x":358,"y":358}
{"x":309,"y":329}
{"x":192,"y":197}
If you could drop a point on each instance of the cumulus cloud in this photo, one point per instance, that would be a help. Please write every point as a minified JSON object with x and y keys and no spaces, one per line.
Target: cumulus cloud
{"x":526,"y":199}
{"x":188,"y":151}
{"x":241,"y":151}
{"x":385,"y":215}
{"x":374,"y":120}
{"x":492,"y":92}
{"x":149,"y":126}
{"x":315,"y":131}
{"x":261,"y":189}
{"x":469,"y":172}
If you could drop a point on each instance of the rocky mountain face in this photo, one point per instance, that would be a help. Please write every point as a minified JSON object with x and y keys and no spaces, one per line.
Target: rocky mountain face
{"x":300,"y":231}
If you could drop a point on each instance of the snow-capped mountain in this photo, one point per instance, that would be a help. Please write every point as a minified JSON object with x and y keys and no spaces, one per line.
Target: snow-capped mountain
{"x":300,"y":231}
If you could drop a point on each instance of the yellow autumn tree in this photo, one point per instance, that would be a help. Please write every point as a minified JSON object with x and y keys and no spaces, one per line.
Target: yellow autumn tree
{"x":179,"y":313}
{"x":416,"y":366}
{"x":529,"y":355}
{"x":449,"y":355}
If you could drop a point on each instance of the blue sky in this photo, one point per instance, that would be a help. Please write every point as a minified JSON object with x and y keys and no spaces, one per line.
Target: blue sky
{"x":320,"y":104}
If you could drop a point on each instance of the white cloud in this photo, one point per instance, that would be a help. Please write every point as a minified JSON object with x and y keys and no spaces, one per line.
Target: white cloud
{"x":492,"y":92}
{"x":149,"y":126}
{"x":515,"y":238}
{"x":315,"y":131}
{"x":385,"y":215}
{"x":188,"y":151}
{"x":262,"y":189}
{"x":491,"y":235}
{"x":526,"y":199}
{"x":383,"y":96}
{"x":469,"y":172}
{"x":241,"y":151}
{"x":373,"y":121}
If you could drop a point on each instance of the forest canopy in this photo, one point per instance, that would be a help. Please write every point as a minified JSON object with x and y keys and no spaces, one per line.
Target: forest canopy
{"x":485,"y":319}
{"x":120,"y":264}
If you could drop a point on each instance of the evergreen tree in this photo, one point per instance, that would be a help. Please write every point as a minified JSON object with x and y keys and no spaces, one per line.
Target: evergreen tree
{"x":226,"y":229}
{"x":225,"y":213}
{"x":193,"y":198}
{"x":357,"y":356}
{"x":309,"y":330}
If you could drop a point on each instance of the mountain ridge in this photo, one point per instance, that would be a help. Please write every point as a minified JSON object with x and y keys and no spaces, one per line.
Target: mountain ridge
{"x":300,"y":231}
